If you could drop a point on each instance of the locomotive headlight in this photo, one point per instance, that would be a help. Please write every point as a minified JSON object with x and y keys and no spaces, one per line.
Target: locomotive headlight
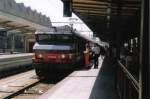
{"x":39,"y":56}
{"x":63,"y":56}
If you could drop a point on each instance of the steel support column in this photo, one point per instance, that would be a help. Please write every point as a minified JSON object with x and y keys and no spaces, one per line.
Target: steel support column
{"x":144,"y":51}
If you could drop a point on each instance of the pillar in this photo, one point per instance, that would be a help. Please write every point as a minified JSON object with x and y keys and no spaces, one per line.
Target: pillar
{"x":13,"y":44}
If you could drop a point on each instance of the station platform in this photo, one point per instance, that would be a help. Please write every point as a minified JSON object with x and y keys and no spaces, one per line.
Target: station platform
{"x":10,"y":56}
{"x":86,"y":84}
{"x":15,"y":59}
{"x":10,"y":63}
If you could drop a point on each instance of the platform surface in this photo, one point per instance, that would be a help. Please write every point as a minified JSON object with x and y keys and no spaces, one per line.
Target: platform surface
{"x":15,"y":60}
{"x":15,"y":55}
{"x":84,"y":84}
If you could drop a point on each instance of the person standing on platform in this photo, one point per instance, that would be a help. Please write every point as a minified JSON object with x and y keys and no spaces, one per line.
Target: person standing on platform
{"x":96,"y":52}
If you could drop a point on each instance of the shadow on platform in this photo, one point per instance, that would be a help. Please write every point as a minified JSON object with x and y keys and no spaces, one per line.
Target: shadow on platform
{"x":104,"y":86}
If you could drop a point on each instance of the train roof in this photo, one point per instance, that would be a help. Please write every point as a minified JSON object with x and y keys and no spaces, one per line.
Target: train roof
{"x":50,"y":32}
{"x":57,"y":30}
{"x":67,"y":30}
{"x":100,"y":43}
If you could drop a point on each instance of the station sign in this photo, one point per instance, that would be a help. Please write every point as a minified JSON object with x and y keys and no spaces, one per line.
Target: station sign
{"x":67,"y":9}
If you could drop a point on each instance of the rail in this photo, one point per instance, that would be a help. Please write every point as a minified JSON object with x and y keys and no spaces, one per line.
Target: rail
{"x":128,"y":86}
{"x":14,"y":85}
{"x":130,"y":76}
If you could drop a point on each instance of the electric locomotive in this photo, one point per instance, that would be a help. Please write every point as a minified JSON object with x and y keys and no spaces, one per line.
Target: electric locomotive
{"x":59,"y":50}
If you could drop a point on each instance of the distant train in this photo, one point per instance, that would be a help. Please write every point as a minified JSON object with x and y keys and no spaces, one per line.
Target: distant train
{"x":57,"y":50}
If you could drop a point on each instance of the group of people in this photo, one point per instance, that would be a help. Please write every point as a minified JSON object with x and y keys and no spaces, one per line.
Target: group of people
{"x":95,"y":51}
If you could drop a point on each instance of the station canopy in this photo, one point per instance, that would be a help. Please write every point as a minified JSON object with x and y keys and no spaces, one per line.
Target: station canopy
{"x":8,"y":25}
{"x":106,"y":18}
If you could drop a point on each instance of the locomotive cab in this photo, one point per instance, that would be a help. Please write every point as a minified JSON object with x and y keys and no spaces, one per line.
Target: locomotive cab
{"x":56,"y":51}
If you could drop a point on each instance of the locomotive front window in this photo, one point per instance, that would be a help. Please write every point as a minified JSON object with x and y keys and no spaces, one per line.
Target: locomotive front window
{"x":64,"y":38}
{"x":53,"y":38}
{"x":44,"y":38}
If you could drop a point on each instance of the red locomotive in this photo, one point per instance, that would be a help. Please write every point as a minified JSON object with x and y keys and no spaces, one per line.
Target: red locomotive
{"x":57,"y":50}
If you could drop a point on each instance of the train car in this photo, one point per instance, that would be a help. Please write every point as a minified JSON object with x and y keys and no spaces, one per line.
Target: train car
{"x":57,"y":50}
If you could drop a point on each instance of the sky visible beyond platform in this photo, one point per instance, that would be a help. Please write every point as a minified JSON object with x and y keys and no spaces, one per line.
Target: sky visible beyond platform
{"x":54,"y":10}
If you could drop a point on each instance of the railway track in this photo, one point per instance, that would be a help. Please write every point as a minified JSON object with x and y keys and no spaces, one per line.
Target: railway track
{"x":13,"y":85}
{"x":25,"y":85}
{"x":35,"y":91}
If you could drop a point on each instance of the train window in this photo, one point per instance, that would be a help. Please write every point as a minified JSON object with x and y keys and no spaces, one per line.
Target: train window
{"x":44,"y":38}
{"x":64,"y":38}
{"x":53,"y":38}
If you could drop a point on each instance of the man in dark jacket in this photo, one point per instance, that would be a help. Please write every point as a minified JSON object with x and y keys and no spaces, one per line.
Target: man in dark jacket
{"x":96,"y":52}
